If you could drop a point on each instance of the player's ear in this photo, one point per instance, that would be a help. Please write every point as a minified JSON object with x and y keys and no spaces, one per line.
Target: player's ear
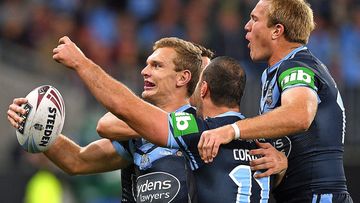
{"x":278,"y":30}
{"x":183,"y":78}
{"x":204,"y":89}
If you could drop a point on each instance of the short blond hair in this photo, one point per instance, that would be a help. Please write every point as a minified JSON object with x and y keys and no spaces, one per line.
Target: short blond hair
{"x":188,"y":58}
{"x":295,"y":15}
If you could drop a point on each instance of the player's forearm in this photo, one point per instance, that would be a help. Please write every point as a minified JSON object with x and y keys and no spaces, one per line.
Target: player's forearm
{"x":96,"y":157}
{"x":111,"y":127}
{"x":120,"y":101}
{"x":277,"y":123}
{"x":63,"y":153}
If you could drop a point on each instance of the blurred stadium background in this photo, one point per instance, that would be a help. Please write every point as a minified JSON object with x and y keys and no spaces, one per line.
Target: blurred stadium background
{"x":118,"y":36}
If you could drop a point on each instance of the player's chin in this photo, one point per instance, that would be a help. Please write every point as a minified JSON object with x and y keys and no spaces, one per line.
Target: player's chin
{"x":147,"y":95}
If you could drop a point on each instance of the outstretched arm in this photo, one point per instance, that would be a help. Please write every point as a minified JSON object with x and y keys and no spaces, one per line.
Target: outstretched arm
{"x":111,"y":127}
{"x":148,"y":120}
{"x":98,"y":156}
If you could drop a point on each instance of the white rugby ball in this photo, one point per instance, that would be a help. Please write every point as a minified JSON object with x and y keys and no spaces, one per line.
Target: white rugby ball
{"x":43,"y":120}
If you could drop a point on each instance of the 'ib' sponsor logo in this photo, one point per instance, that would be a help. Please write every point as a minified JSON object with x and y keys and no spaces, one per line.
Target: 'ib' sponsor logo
{"x":297,"y":76}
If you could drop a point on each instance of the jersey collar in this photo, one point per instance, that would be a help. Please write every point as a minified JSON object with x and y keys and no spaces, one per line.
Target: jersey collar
{"x":183,"y":108}
{"x":290,"y":55}
{"x":231,"y":113}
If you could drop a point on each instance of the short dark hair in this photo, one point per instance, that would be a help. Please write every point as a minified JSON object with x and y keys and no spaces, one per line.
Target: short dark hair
{"x":205,"y":52}
{"x":226,"y":79}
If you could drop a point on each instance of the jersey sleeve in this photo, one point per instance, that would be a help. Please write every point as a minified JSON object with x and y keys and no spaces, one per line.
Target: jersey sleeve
{"x":123,"y":149}
{"x":184,"y":134}
{"x":294,"y":74}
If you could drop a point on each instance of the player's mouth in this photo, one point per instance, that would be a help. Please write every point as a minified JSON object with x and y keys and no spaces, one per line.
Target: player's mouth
{"x":148,"y":85}
{"x":248,"y":39}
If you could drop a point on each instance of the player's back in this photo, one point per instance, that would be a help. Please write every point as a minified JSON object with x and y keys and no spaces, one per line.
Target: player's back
{"x":229,"y":177}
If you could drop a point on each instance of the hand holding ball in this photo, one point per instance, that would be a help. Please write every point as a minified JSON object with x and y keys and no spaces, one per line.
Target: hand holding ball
{"x":43,"y":120}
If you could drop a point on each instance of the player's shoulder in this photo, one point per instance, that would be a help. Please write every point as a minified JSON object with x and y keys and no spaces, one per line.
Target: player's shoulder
{"x":221,"y":121}
{"x":191,"y":110}
{"x":302,"y":59}
{"x":185,"y":123}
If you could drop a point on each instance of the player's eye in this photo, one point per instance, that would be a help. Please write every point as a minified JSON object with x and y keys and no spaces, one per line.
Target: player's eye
{"x":156,"y":65}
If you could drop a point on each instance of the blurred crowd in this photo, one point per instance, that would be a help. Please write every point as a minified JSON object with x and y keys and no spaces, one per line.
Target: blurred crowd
{"x":118,"y":34}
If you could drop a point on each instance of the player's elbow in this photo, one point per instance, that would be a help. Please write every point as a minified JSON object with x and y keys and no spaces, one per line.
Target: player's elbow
{"x":304,"y":122}
{"x":75,"y":167}
{"x":102,"y":127}
{"x":71,"y":170}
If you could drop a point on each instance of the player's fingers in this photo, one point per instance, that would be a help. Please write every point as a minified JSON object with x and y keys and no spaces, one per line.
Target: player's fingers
{"x":215,"y":149}
{"x":64,"y":40}
{"x":56,"y":50}
{"x":208,"y":151}
{"x":257,"y":152}
{"x":20,"y":101}
{"x":204,"y":149}
{"x":262,"y":166}
{"x":14,"y":116}
{"x":13,"y":122}
{"x":201,"y":145}
{"x":264,"y":174}
{"x":258,"y":161}
{"x":264,"y":145}
{"x":17,"y":109}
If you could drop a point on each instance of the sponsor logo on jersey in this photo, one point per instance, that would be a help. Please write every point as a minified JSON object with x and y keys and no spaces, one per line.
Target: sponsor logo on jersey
{"x":283,"y":145}
{"x":297,"y":76}
{"x":157,"y":187}
{"x":184,"y":124}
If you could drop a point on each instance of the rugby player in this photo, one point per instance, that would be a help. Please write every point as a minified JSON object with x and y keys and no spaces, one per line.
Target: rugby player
{"x":300,"y":104}
{"x":109,"y":126}
{"x":170,"y":77}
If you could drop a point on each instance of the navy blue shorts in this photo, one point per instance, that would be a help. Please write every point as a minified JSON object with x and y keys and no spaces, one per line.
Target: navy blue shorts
{"x":320,"y":198}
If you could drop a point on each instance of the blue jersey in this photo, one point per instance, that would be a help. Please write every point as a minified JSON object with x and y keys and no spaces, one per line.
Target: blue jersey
{"x":229,"y":177}
{"x":163,"y":174}
{"x":128,"y":179}
{"x":315,"y":156}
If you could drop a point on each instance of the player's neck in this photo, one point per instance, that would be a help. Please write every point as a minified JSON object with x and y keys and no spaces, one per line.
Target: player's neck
{"x":211,"y":110}
{"x":172,"y":105}
{"x":283,"y":48}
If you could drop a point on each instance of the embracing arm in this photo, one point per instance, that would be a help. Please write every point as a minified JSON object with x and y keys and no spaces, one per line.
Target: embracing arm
{"x":296,"y":113}
{"x":113,"y":95}
{"x":111,"y":127}
{"x":98,"y":156}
